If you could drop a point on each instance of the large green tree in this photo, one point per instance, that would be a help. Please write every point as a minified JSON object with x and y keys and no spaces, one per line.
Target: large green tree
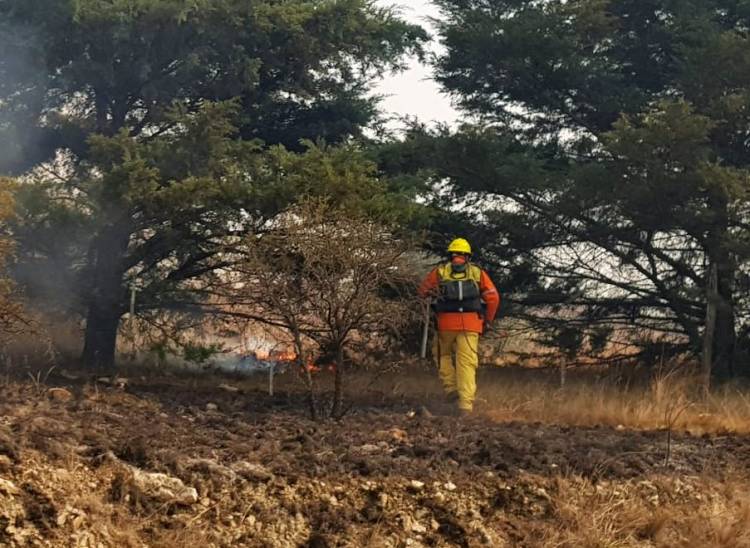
{"x":301,"y":68}
{"x":148,"y":120}
{"x":612,"y":160}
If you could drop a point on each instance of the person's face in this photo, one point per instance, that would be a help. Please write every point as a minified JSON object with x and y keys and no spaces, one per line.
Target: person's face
{"x":459,"y":258}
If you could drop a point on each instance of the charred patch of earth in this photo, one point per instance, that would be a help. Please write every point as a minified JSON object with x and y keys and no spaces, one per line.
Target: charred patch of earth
{"x":172,"y":467}
{"x":39,"y":508}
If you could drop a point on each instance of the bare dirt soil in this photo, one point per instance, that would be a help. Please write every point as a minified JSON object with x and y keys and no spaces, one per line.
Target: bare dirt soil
{"x":170,"y":461}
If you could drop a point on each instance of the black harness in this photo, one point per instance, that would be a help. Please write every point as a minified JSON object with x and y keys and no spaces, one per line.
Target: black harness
{"x":458,"y":292}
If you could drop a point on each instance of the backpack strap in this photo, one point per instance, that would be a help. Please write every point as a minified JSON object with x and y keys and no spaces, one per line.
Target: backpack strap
{"x":473,"y":273}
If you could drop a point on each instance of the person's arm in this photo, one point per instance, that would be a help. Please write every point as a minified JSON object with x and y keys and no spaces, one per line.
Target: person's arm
{"x":490,"y":296}
{"x":429,"y":285}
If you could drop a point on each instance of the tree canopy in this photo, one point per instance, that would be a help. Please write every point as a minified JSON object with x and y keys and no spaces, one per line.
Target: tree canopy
{"x":610,"y":162}
{"x":603,"y":168}
{"x":151,"y":131}
{"x":300,"y":69}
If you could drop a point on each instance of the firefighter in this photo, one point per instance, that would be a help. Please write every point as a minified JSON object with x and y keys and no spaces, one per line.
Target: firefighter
{"x":466,"y":302}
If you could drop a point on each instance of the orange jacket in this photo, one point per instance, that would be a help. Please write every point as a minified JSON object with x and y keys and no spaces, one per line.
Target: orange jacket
{"x":463,"y":321}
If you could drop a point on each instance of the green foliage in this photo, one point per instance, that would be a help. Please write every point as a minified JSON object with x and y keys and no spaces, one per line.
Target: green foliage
{"x":299,"y":68}
{"x":166,"y":128}
{"x":613,"y":165}
{"x":164,"y":214}
{"x":343,"y":176}
{"x":200,"y":354}
{"x":161,"y":350}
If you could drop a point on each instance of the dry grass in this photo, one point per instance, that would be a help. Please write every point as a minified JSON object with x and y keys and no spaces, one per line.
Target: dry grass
{"x":668,"y":400}
{"x":590,"y":398}
{"x":663,"y":400}
{"x":653,"y":512}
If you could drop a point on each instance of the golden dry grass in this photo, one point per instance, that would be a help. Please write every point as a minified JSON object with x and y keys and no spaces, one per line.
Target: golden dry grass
{"x":588,"y":399}
{"x":667,"y":400}
{"x":652,"y":402}
{"x":661,"y":512}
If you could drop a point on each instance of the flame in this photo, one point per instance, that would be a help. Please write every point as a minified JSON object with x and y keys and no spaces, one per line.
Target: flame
{"x":288,"y":356}
{"x":311,"y":366}
{"x":274,"y":356}
{"x":315,"y":368}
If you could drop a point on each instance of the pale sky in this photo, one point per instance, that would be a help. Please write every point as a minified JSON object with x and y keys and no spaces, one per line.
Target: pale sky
{"x":413,"y":92}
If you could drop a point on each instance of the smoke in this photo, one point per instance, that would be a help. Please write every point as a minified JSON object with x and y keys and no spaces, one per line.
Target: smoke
{"x":50,"y":239}
{"x":22,"y":89}
{"x":46,"y":254}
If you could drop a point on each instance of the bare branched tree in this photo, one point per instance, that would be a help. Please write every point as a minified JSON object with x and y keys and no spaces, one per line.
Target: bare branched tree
{"x":329,"y":279}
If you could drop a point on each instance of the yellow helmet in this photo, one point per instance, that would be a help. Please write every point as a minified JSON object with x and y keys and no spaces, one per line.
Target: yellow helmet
{"x":459,"y":245}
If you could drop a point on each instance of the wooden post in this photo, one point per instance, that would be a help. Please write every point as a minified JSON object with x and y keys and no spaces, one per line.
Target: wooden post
{"x":563,"y":371}
{"x":710,"y":329}
{"x":270,"y":378}
{"x":131,"y":319}
{"x":425,"y":330}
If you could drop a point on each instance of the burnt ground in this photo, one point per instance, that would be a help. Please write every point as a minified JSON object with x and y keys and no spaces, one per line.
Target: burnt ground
{"x":391,"y":473}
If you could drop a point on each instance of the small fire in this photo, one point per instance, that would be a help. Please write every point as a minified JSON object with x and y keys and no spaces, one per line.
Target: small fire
{"x":311,"y":366}
{"x":274,"y":356}
{"x":315,"y":368}
{"x":291,"y":356}
{"x":286,"y":357}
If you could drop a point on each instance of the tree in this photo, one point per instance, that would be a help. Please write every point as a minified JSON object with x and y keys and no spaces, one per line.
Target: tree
{"x":343,"y":206}
{"x":330,"y":278}
{"x":159,"y":214}
{"x":300,"y":69}
{"x":612,"y":160}
{"x":144,"y":167}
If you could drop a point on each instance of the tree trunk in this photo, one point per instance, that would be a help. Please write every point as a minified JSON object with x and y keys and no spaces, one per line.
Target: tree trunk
{"x":101,"y":338}
{"x":709,"y":331}
{"x":725,"y":337}
{"x":106,"y":299}
{"x":305,"y":369}
{"x":720,"y":258}
{"x":337,"y":410}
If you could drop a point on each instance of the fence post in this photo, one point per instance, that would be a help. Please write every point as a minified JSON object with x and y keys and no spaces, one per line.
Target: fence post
{"x":131,"y":320}
{"x":563,"y":371}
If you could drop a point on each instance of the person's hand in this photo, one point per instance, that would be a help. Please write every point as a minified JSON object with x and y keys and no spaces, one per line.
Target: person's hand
{"x":488,"y":326}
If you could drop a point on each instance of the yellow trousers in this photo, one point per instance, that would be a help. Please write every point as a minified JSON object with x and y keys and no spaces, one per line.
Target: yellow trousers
{"x":459,"y":377}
